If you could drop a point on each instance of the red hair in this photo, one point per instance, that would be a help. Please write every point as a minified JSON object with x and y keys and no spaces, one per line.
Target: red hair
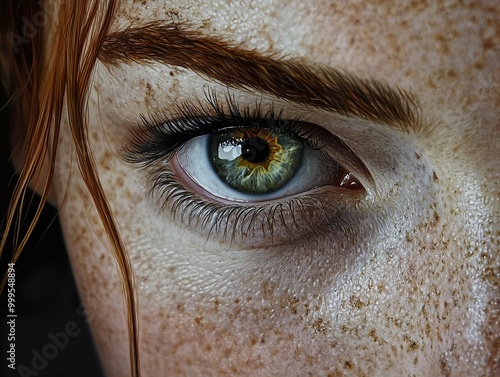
{"x":38,"y":82}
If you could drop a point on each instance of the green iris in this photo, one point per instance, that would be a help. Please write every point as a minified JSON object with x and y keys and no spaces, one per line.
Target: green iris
{"x":255,"y":160}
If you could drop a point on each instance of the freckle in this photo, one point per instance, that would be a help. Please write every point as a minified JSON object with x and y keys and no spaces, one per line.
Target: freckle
{"x":356,"y":302}
{"x":128,"y":195}
{"x":227,"y":352}
{"x":253,"y":341}
{"x":171,"y":269}
{"x":119,"y":182}
{"x":488,"y":44}
{"x":445,"y":367}
{"x":431,"y":83}
{"x":319,"y":325}
{"x":436,"y":216}
{"x":394,"y":350}
{"x":417,"y":156}
{"x":412,"y":345}
{"x":434,"y":176}
{"x":478,"y":65}
{"x":442,"y":41}
{"x":348,"y":364}
{"x":428,"y":330}
{"x":373,"y":335}
{"x":306,"y":306}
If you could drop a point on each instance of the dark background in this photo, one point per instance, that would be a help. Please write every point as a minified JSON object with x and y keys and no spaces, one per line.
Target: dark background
{"x":46,"y":295}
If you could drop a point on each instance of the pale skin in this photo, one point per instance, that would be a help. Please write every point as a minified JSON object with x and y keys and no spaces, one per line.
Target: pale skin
{"x":409,"y":292}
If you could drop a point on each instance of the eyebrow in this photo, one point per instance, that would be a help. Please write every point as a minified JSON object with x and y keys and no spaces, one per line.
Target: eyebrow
{"x":323,"y":87}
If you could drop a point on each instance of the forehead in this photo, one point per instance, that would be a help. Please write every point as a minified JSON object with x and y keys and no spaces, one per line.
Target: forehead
{"x":444,"y":51}
{"x":340,"y":32}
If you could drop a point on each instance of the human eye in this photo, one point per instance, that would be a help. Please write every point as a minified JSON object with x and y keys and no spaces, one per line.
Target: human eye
{"x":248,"y":174}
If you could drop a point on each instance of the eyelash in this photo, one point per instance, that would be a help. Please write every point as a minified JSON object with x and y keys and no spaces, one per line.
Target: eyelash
{"x":158,"y":139}
{"x":154,"y":144}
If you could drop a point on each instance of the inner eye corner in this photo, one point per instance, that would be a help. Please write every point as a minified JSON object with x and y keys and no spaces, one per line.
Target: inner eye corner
{"x":356,"y":166}
{"x":351,"y":182}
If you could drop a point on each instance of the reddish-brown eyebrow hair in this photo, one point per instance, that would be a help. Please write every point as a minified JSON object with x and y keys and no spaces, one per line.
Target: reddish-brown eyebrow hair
{"x":322,"y":87}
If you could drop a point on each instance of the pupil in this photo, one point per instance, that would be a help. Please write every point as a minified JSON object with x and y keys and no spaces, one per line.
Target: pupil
{"x":255,"y":149}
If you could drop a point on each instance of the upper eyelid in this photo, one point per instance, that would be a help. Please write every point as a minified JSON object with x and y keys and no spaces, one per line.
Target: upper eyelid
{"x":145,"y":148}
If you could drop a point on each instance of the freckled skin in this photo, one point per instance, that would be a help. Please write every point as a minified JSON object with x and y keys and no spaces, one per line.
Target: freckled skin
{"x":414,"y":292}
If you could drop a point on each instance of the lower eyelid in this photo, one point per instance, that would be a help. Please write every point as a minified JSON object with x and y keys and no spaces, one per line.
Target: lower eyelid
{"x":301,"y":218}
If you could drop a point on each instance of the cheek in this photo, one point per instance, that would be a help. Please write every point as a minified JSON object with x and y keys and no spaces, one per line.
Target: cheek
{"x":398,"y":315}
{"x":98,"y":281}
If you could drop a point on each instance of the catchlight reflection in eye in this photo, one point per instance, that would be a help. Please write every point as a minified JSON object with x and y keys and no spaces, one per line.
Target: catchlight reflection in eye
{"x":252,"y":164}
